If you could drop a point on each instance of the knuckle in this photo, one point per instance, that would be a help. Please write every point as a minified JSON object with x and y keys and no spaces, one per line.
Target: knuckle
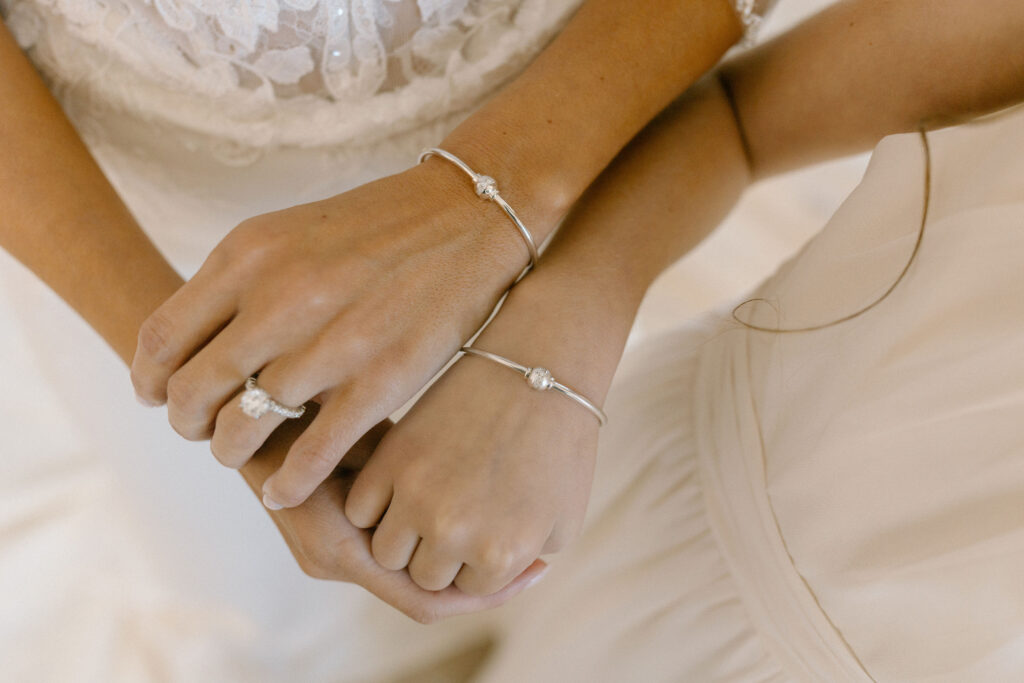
{"x":447,"y":529}
{"x":427,"y":580}
{"x":231,"y":445}
{"x":184,"y":411}
{"x":499,"y":558}
{"x":416,"y":486}
{"x":385,"y":555}
{"x":247,"y":246}
{"x":155,"y":337}
{"x":182,"y":391}
{"x":358,"y":509}
{"x":225,"y":451}
{"x":318,"y":456}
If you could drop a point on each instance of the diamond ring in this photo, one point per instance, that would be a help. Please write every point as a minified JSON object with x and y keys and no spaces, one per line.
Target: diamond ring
{"x":256,"y":402}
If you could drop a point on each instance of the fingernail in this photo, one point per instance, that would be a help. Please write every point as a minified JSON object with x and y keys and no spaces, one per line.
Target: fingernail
{"x":144,"y":402}
{"x":537,"y":577}
{"x":270,"y":503}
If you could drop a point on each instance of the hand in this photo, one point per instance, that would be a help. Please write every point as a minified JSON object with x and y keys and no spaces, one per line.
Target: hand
{"x":489,"y":473}
{"x":485,"y":474}
{"x":327,"y":546}
{"x":353,"y":302}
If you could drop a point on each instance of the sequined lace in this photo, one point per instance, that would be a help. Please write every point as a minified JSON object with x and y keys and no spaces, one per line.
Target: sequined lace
{"x":260,"y":73}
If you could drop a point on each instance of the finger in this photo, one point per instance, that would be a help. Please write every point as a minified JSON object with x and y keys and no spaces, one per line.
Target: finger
{"x":399,"y":590}
{"x":369,"y":498}
{"x":433,"y":567}
{"x":394,"y":542}
{"x":495,"y":566}
{"x":236,"y":435}
{"x":198,"y":390}
{"x":172,"y":333}
{"x":356,"y":564}
{"x":344,"y":417}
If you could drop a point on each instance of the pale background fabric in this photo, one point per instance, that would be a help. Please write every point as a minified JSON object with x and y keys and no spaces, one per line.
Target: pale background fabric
{"x":98,"y":579}
{"x":838,"y":505}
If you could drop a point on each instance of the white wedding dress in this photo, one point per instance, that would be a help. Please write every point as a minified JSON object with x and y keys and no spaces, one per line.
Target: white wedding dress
{"x":840,"y":505}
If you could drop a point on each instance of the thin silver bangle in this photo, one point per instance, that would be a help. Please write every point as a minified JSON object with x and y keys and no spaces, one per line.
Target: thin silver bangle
{"x":539,"y":379}
{"x":487,"y":188}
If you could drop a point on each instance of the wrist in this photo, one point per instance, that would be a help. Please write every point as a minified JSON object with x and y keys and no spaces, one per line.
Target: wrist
{"x":576,"y":327}
{"x":491,"y":244}
{"x":531,"y":181}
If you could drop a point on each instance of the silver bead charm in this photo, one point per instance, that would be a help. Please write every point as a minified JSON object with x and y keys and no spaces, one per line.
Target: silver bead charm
{"x":540,"y":379}
{"x":486,"y":187}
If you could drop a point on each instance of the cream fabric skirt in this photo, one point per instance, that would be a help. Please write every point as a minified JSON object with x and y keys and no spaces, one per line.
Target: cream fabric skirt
{"x":844,"y":504}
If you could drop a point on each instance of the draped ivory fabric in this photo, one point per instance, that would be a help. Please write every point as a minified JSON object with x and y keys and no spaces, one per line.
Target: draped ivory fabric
{"x":838,"y":505}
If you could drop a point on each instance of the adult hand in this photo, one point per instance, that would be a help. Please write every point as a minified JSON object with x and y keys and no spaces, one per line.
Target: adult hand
{"x":353,"y":302}
{"x":479,"y":479}
{"x":327,"y":546}
{"x":485,"y":474}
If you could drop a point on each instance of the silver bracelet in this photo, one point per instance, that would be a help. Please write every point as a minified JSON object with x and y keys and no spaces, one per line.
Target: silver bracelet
{"x":487,"y":188}
{"x":540,"y":379}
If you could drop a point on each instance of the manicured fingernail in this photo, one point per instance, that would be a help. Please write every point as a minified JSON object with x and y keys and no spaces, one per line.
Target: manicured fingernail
{"x":537,"y":577}
{"x":270,"y":503}
{"x":144,"y":402}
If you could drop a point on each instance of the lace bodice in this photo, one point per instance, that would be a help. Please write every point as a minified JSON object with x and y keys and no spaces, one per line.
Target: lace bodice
{"x":260,"y":73}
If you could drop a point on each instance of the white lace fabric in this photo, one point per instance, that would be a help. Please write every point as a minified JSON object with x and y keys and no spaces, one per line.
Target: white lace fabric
{"x":256,"y":74}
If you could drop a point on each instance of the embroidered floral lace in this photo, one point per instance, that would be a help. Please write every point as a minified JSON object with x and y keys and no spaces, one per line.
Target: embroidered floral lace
{"x":260,"y":73}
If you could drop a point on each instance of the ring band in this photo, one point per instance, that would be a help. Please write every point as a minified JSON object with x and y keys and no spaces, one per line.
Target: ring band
{"x":256,"y":402}
{"x":540,"y":379}
{"x":487,"y":188}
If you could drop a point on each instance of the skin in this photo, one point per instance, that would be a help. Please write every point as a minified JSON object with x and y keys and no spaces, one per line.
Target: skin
{"x":112,"y":275}
{"x":355,"y":302}
{"x":485,"y":473}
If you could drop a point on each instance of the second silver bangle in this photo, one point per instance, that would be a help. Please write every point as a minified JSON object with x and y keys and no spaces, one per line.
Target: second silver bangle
{"x":541,"y":380}
{"x":487,"y":188}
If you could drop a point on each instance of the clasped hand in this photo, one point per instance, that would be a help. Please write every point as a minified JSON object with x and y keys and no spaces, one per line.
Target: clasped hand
{"x":354,"y":303}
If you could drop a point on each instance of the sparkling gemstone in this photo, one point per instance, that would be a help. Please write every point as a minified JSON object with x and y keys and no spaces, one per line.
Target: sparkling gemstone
{"x":486,"y":187}
{"x":539,"y":379}
{"x":255,"y":402}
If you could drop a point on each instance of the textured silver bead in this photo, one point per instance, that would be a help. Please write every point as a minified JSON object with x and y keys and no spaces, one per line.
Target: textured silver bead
{"x":540,"y":379}
{"x":486,"y":187}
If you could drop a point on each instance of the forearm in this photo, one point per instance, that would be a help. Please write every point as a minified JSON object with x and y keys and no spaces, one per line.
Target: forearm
{"x":864,"y":69}
{"x":906,"y":63}
{"x":671,"y":187}
{"x":61,"y":218}
{"x":549,"y":133}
